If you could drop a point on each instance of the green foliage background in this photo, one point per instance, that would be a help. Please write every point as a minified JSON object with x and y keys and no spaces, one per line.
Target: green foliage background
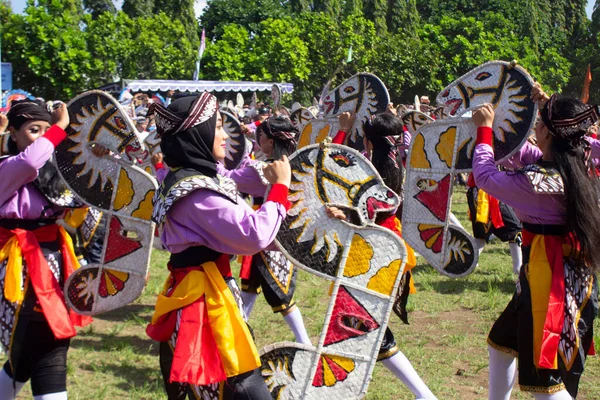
{"x":61,"y":47}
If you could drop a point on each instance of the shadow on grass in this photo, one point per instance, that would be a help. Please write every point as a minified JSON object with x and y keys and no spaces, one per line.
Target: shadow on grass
{"x":481,"y":280}
{"x":132,"y":376}
{"x":108,"y":343}
{"x":459,"y":286}
{"x":128,"y":312}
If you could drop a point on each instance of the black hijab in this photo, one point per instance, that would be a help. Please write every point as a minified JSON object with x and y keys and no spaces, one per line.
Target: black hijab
{"x":22,"y":111}
{"x":191,"y":148}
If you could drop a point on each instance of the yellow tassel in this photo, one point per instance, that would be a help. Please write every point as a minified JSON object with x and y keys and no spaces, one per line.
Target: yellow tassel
{"x":483,"y":207}
{"x":13,"y":281}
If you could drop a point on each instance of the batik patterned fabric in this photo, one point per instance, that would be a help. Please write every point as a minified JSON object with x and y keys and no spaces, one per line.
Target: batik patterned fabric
{"x":114,"y":186}
{"x":544,"y":180}
{"x":442,"y":149}
{"x":551,"y":338}
{"x":163,"y":203}
{"x":363,"y":94}
{"x":363,"y":262}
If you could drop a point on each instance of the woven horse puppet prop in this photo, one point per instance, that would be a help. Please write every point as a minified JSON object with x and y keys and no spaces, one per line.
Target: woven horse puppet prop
{"x":237,"y":144}
{"x":121,"y":191}
{"x":300,"y":116}
{"x":441,"y":149}
{"x":414,"y":120}
{"x":364,"y":94}
{"x":363,"y":262}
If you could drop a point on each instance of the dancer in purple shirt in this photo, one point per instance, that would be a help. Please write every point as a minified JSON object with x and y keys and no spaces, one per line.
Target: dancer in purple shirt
{"x":547,"y":328}
{"x":36,"y":257}
{"x":202,"y":220}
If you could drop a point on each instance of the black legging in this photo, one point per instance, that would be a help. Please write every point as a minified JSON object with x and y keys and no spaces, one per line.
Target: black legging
{"x":42,"y":358}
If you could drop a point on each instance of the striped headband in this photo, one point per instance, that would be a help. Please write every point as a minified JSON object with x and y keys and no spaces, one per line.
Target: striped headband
{"x":169,"y":123}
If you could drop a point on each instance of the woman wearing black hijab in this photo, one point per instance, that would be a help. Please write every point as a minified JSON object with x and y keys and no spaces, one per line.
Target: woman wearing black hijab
{"x":202,"y":220}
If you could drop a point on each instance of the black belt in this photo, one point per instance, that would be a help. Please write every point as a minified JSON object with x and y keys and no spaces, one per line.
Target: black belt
{"x":26,"y":224}
{"x":193,"y":256}
{"x":542,"y":229}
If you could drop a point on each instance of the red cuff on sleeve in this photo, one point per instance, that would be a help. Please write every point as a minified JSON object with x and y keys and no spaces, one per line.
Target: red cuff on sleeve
{"x":485,"y":135}
{"x":159,"y":165}
{"x":339,"y":137}
{"x":279,"y":194}
{"x":55,"y":135}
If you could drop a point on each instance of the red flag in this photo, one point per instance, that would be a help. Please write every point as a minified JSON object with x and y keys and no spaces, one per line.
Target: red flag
{"x":585,"y":92}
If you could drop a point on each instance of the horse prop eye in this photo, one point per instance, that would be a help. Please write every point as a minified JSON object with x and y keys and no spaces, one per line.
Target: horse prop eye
{"x":343,"y":160}
{"x":482,"y":76}
{"x":120,"y":123}
{"x":349,"y":89}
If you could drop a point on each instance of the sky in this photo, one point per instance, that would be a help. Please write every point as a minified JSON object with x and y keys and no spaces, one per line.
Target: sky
{"x":19,"y":5}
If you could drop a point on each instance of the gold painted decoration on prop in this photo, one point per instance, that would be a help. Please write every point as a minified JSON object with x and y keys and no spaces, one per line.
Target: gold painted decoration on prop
{"x":363,"y":262}
{"x":441,"y":149}
{"x":363,"y":94}
{"x":112,"y":184}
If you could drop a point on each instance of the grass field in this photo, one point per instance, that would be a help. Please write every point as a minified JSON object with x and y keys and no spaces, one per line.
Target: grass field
{"x":446,"y":339}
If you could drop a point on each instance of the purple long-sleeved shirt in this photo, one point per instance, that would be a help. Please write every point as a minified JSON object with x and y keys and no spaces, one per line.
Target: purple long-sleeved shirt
{"x":515,"y":189}
{"x":206,"y":218}
{"x":19,"y":197}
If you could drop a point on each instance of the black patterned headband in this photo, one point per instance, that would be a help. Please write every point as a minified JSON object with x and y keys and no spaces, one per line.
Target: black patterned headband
{"x":571,"y":127}
{"x":169,"y":123}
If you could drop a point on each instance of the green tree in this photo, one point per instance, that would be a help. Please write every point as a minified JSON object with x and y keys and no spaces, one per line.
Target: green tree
{"x":403,"y":14}
{"x":376,"y":11}
{"x":97,"y":7}
{"x":352,"y":7}
{"x":278,"y":52}
{"x":161,"y":50}
{"x":228,"y":58}
{"x":331,"y":7}
{"x":249,"y":15}
{"x":48,"y":49}
{"x":595,"y":27}
{"x":300,"y":6}
{"x":138,"y":8}
{"x":111,"y":44}
{"x":181,"y":10}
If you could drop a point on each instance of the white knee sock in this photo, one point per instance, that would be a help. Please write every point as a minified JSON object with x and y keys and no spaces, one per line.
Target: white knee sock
{"x":480,"y":244}
{"x":296,"y":324}
{"x":7,"y":390}
{"x":399,"y":365}
{"x":455,"y":220}
{"x":503,"y":374}
{"x":52,"y":396}
{"x":249,"y":299}
{"x":517,"y":257}
{"x":562,"y":395}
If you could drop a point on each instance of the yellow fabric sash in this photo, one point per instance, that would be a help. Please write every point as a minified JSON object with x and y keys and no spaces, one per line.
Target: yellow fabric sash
{"x":236,"y":347}
{"x":539,"y":276}
{"x":483,"y":207}
{"x":13,"y":280}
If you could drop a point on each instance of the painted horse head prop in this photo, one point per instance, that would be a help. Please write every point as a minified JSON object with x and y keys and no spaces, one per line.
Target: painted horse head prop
{"x":300,"y":117}
{"x":122,"y":191}
{"x":442,"y":149}
{"x":237,"y":144}
{"x":364,"y":94}
{"x":276,"y":96}
{"x":364,"y":262}
{"x":414,"y":120}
